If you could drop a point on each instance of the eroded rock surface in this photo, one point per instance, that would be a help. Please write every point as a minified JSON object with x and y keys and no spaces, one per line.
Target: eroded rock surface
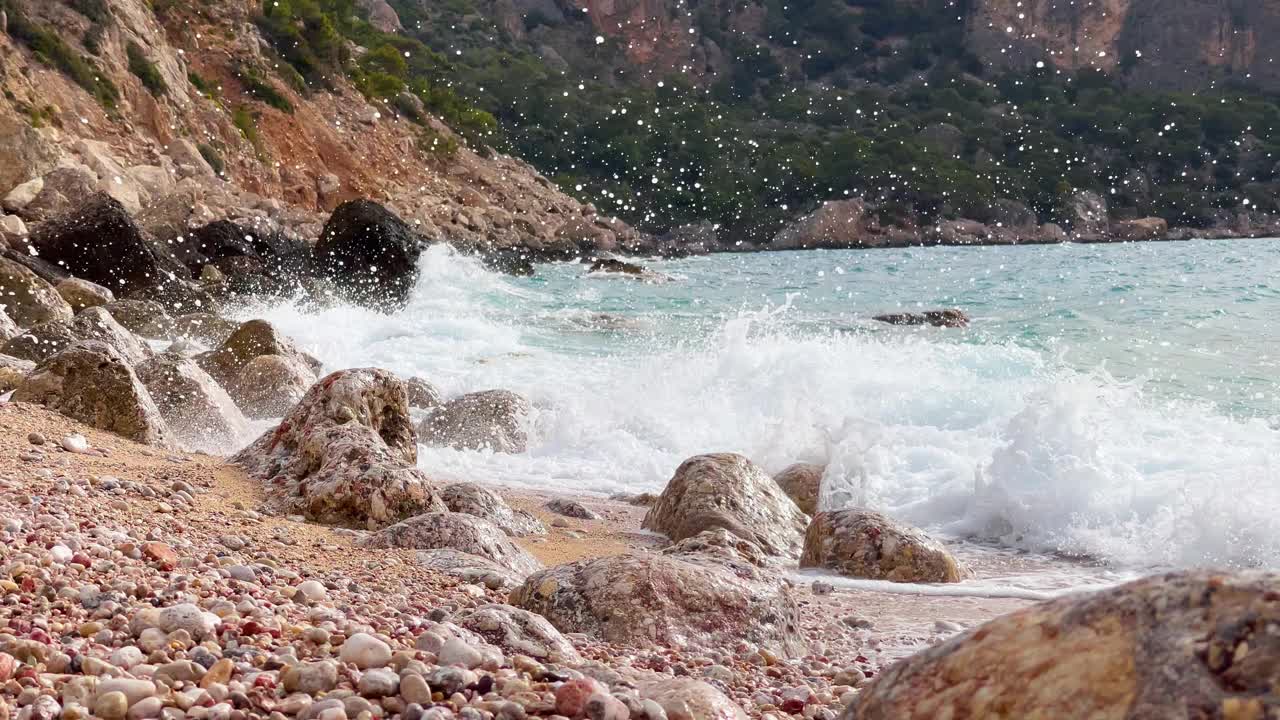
{"x":474,"y":499}
{"x":641,"y":599}
{"x":867,"y":544}
{"x":519,"y":632}
{"x":491,"y":419}
{"x":456,"y":531}
{"x":200,"y":413}
{"x":728,"y":491}
{"x":1192,"y":644}
{"x":802,"y":482}
{"x":346,"y":452}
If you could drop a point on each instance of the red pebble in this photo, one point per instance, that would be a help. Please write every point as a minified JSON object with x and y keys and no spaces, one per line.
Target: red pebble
{"x":571,"y":697}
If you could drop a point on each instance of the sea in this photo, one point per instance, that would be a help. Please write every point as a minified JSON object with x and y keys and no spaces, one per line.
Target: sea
{"x":1111,"y":410}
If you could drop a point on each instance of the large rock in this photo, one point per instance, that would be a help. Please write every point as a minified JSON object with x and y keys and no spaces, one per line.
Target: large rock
{"x":1087,"y":214}
{"x":277,"y":254}
{"x":1198,"y":644}
{"x":145,"y":318}
{"x":207,"y":328}
{"x":269,"y":385}
{"x":728,"y":491}
{"x":647,"y":599}
{"x":100,"y":242}
{"x":372,"y":253}
{"x":488,"y":420}
{"x":470,"y":568}
{"x":252,"y":339}
{"x":474,"y":499}
{"x":96,"y":323}
{"x":684,"y":698}
{"x":92,"y":383}
{"x":60,"y":192}
{"x":456,"y":531}
{"x":40,"y":342}
{"x":81,"y":294}
{"x":8,"y":328}
{"x":346,"y":452}
{"x":721,"y":547}
{"x":518,"y":632}
{"x":13,"y":371}
{"x":802,"y":482}
{"x":867,"y":544}
{"x":949,"y":317}
{"x":1141,"y":229}
{"x":201,"y":415}
{"x":27,"y":299}
{"x":837,"y":224}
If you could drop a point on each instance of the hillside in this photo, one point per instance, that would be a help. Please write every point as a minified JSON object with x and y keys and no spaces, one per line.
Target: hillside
{"x":746,"y":114}
{"x":187,"y":114}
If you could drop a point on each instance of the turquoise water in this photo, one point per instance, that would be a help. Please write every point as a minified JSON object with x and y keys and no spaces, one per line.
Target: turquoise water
{"x":1119,"y":402}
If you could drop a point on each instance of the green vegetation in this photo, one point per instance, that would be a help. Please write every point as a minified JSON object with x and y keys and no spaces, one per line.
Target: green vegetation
{"x":886,"y":104}
{"x":146,"y":70}
{"x":262,"y":89}
{"x":52,"y":50}
{"x":247,"y":124}
{"x":212,"y":157}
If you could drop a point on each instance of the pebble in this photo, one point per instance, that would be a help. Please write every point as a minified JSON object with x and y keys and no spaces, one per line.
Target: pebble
{"x":313,"y":591}
{"x":111,"y":706}
{"x":457,"y":652}
{"x":75,"y":443}
{"x":36,"y":438}
{"x":379,"y":682}
{"x":365,"y":651}
{"x":414,"y":689}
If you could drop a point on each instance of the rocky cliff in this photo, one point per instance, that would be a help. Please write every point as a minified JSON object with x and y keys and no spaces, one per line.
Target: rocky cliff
{"x":1161,"y":43}
{"x":186,"y":115}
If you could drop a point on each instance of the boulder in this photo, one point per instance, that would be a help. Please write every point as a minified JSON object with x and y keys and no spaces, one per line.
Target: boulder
{"x":867,"y":544}
{"x":40,"y":342}
{"x":145,"y":318}
{"x":269,"y":385}
{"x":470,"y":568}
{"x":8,"y":328}
{"x":13,"y":371}
{"x":456,"y":531}
{"x":1191,"y":644}
{"x":346,"y":452}
{"x":1139,"y":230}
{"x":202,"y":327}
{"x":61,"y":191}
{"x":645,"y":600}
{"x":28,"y":299}
{"x":518,"y":632}
{"x":371,"y":253}
{"x":684,"y":698}
{"x":802,"y":482}
{"x":721,"y":547}
{"x":491,"y":419}
{"x":100,"y":242}
{"x":837,"y":224}
{"x":91,"y":382}
{"x":81,"y":294}
{"x":277,"y":254}
{"x":381,"y":15}
{"x":950,"y":318}
{"x":1087,"y":215}
{"x":23,"y":195}
{"x":422,"y":394}
{"x":250,"y":340}
{"x":96,"y":323}
{"x":201,"y":415}
{"x":728,"y":491}
{"x":12,"y":230}
{"x":477,"y":500}
{"x":571,"y":508}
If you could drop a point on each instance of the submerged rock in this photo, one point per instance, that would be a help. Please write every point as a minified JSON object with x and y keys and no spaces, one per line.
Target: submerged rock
{"x":422,"y":394}
{"x":867,"y":544}
{"x":200,"y":413}
{"x":92,"y":383}
{"x":482,"y":502}
{"x":644,"y":599}
{"x":372,"y":253}
{"x":951,"y":318}
{"x":1190,"y":644}
{"x":491,"y":419}
{"x":728,"y":491}
{"x":456,"y":531}
{"x":802,"y":482}
{"x":346,"y":452}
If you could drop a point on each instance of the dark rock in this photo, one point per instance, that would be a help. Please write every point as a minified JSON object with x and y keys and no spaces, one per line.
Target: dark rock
{"x":950,"y":317}
{"x":571,"y":508}
{"x":372,"y":253}
{"x":100,"y":242}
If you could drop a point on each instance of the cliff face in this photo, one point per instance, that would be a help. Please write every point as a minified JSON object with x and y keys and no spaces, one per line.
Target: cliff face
{"x":1173,"y":44}
{"x":181,"y":155}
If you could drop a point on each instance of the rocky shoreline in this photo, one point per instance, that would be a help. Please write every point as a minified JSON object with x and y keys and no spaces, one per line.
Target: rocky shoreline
{"x":318,"y":573}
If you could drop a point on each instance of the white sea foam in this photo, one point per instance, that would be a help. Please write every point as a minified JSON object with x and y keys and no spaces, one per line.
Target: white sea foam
{"x":970,"y":439}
